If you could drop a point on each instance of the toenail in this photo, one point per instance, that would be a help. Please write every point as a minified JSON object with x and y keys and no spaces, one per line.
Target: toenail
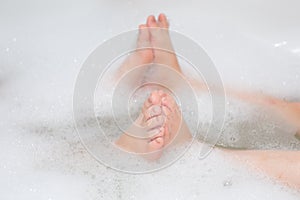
{"x":151,"y":18}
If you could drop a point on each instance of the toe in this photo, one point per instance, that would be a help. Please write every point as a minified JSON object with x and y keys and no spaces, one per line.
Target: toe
{"x":151,"y":22}
{"x":166,"y":110}
{"x":152,"y":111}
{"x":154,"y":125}
{"x":161,"y":93}
{"x":168,"y":101}
{"x":154,"y":98}
{"x":163,"y":22}
{"x":155,"y":146}
{"x":158,"y":139}
{"x":166,"y":107}
{"x":141,"y":26}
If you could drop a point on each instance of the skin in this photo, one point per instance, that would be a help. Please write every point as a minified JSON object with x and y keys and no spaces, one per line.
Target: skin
{"x":281,"y":165}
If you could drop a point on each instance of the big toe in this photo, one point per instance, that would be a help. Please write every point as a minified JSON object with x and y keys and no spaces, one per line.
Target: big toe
{"x":151,"y":22}
{"x":155,"y":97}
{"x":153,"y":116}
{"x":163,"y":22}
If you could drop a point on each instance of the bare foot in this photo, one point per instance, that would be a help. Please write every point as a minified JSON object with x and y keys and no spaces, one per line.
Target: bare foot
{"x":161,"y":42}
{"x":152,"y":121}
{"x":161,"y":120}
{"x":142,"y":55}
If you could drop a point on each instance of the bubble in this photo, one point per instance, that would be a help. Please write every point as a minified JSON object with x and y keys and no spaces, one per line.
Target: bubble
{"x":232,"y":139}
{"x":279,"y":44}
{"x":227,"y":183}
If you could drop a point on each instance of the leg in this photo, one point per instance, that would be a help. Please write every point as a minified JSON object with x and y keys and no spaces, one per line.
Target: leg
{"x":140,"y":56}
{"x":164,"y":54}
{"x":281,"y":165}
{"x":290,"y":111}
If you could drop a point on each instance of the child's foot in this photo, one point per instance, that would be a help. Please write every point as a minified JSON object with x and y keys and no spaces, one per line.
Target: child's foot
{"x":153,"y":133}
{"x":161,"y":119}
{"x":161,"y":42}
{"x":142,"y":55}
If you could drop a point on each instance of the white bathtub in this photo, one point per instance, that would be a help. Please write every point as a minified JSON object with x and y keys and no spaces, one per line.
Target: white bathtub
{"x":254,"y":44}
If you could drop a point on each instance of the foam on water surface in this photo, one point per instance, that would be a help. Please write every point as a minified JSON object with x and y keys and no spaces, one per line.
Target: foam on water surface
{"x":42,"y":47}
